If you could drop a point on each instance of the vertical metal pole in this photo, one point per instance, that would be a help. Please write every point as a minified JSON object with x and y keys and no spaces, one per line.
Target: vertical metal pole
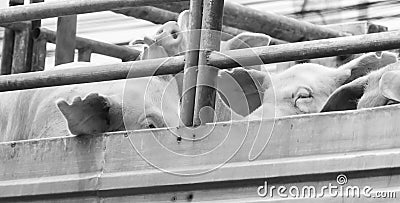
{"x":84,"y":55}
{"x":39,"y":54}
{"x":192,"y":58}
{"x":207,"y":76}
{"x":65,"y":40}
{"x":20,"y":63}
{"x":8,"y":45}
{"x":20,"y":53}
{"x":36,"y":48}
{"x":7,"y":52}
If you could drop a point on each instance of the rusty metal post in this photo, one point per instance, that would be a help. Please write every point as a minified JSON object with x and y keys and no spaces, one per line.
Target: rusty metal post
{"x":20,"y":53}
{"x":70,"y":7}
{"x":8,"y":45}
{"x":39,"y":54}
{"x":206,"y":78}
{"x":84,"y":55}
{"x":66,"y":39}
{"x":22,"y":47}
{"x":149,"y":13}
{"x":192,"y":59}
{"x":145,"y":68}
{"x":7,"y":52}
{"x":36,"y":48}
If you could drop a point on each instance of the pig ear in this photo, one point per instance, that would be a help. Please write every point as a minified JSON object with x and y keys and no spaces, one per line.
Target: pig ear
{"x":87,"y":116}
{"x":183,"y":20}
{"x":367,"y":63}
{"x":389,"y":85}
{"x":239,"y":84}
{"x":346,"y":96}
{"x":246,"y":40}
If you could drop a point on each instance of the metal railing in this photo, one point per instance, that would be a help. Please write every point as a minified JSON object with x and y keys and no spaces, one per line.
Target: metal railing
{"x":209,"y":19}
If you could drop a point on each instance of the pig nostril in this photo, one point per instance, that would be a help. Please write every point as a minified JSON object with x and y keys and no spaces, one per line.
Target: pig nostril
{"x":174,"y":34}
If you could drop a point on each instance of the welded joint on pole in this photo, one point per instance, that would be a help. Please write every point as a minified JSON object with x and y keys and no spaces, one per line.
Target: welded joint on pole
{"x":207,"y":54}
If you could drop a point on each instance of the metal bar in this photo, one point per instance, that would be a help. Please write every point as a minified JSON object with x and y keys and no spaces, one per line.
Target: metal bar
{"x":149,"y":13}
{"x":277,"y":26}
{"x":17,"y":26}
{"x":161,"y":16}
{"x":267,"y":54}
{"x":39,"y":55}
{"x":308,"y":50}
{"x":84,"y":55}
{"x":66,"y":39}
{"x":8,"y":42}
{"x":176,"y":7}
{"x":274,"y":25}
{"x":20,"y":53}
{"x":192,"y":59}
{"x":36,"y":48}
{"x":16,"y":2}
{"x":36,"y":23}
{"x":7,"y":51}
{"x":70,"y":7}
{"x":207,"y":75}
{"x":97,"y":47}
{"x":92,"y":74}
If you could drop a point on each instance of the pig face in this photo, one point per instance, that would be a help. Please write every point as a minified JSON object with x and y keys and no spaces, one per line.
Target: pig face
{"x":304,"y":88}
{"x":378,"y":88}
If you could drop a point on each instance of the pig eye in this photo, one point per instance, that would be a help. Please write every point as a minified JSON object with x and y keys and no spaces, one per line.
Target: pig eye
{"x":159,"y":31}
{"x":391,"y":102}
{"x":302,"y":93}
{"x":302,"y":99}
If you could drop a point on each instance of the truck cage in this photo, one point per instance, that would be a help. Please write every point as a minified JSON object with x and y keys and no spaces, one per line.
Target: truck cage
{"x":361,"y":145}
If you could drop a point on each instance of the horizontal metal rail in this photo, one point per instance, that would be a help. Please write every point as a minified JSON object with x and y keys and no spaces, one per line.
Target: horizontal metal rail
{"x":161,"y":16}
{"x":18,"y":26}
{"x":252,"y":56}
{"x":277,"y":26}
{"x":149,"y":13}
{"x":62,"y":8}
{"x":274,"y":25}
{"x":124,"y":53}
